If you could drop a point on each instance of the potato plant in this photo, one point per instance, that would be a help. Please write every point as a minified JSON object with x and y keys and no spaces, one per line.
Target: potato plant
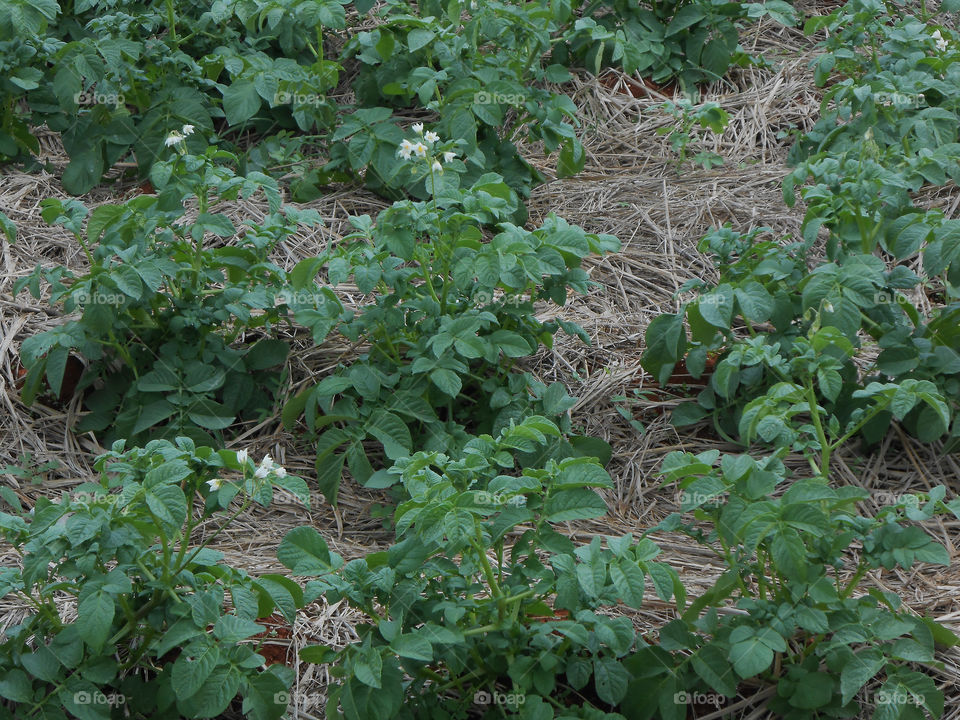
{"x":163,"y":627}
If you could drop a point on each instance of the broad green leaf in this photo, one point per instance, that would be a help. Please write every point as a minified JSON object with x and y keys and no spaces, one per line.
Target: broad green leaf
{"x":579,"y":504}
{"x":305,"y":552}
{"x":240,"y":101}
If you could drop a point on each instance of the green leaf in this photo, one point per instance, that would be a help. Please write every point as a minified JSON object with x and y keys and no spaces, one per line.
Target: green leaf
{"x":629,"y":581}
{"x":447,"y":380}
{"x":572,"y":158}
{"x":16,"y":686}
{"x":418,"y":38}
{"x":153,"y":414}
{"x":611,"y":679}
{"x":210,"y":414}
{"x":318,"y":654}
{"x":213,"y":697}
{"x":716,"y":307}
{"x":392,"y":432}
{"x":169,"y":505}
{"x":712,"y":666}
{"x":232,"y":629}
{"x":666,"y":342}
{"x":750,"y":657}
{"x":413,"y":646}
{"x":305,"y":552}
{"x":859,"y":669}
{"x":579,"y":504}
{"x":193,"y":667}
{"x":95,"y":617}
{"x":8,"y":227}
{"x":240,"y":101}
{"x":266,"y":353}
{"x":687,"y":16}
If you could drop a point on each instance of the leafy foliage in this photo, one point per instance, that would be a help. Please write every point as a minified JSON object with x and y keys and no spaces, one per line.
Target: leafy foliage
{"x":448,"y":316}
{"x":883,"y":133}
{"x":105,"y":76}
{"x":163,"y":303}
{"x":464,"y":614}
{"x":798,"y":622}
{"x":155,"y":634}
{"x":692,"y":41}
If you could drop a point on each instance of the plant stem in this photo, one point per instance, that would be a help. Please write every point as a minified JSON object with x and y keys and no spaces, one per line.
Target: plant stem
{"x":825,"y":447}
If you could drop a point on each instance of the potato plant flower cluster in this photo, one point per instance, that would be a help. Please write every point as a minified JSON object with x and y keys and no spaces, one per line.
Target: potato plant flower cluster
{"x":424,"y":148}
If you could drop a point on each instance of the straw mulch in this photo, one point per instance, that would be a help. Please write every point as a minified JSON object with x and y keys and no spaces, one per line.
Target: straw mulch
{"x":631,"y":188}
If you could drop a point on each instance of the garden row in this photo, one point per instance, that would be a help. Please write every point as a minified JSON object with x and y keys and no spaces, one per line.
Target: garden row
{"x":180,"y":334}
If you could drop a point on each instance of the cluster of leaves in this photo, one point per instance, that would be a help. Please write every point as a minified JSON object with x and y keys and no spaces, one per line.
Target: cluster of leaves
{"x":888,"y":127}
{"x":455,"y":613}
{"x":447,"y":318}
{"x":480,"y":597}
{"x":154,"y":635}
{"x":868,"y":152}
{"x":115,"y":77}
{"x":486,"y":73}
{"x":797,"y":621}
{"x":708,"y":115}
{"x":780,"y":335}
{"x":802,"y":329}
{"x":163,"y":303}
{"x":691,"y":41}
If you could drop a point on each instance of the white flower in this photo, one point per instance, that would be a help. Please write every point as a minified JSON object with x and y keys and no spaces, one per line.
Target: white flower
{"x":430,"y":136}
{"x":449,"y":157}
{"x":187,"y":130}
{"x":418,"y":128}
{"x":828,"y":307}
{"x":266,"y":465}
{"x":280,"y":471}
{"x":942,"y":43}
{"x":215,"y":484}
{"x":173,"y":138}
{"x":242,"y":457}
{"x":436,"y":167}
{"x":420,"y":150}
{"x":406,"y":147}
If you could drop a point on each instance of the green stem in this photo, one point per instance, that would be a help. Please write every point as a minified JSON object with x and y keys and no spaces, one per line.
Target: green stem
{"x":825,"y":447}
{"x":172,"y":22}
{"x":856,"y":428}
{"x":854,"y":581}
{"x":487,"y":570}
